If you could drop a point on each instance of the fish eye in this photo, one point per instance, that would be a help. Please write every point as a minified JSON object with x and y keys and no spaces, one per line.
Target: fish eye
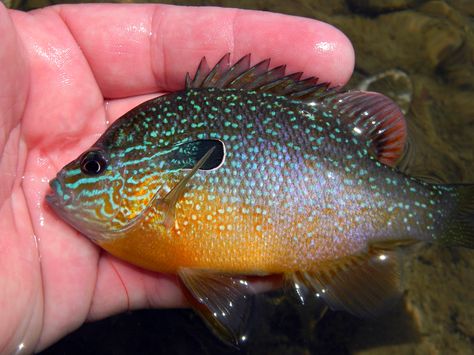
{"x":93,"y":162}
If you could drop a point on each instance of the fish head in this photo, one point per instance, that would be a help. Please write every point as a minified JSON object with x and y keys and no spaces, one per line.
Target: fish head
{"x":101,"y":192}
{"x":84,"y":191}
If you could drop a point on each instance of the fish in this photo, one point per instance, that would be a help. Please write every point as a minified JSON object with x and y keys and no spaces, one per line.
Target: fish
{"x":249,"y":171}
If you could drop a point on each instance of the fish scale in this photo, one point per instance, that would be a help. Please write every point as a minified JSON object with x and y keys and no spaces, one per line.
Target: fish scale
{"x":248,"y":171}
{"x":297,"y":169}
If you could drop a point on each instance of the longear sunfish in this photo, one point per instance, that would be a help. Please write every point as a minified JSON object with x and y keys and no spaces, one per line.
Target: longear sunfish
{"x":249,"y":171}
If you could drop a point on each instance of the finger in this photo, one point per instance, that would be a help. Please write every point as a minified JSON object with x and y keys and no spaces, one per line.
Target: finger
{"x":64,"y":101}
{"x":136,"y":49}
{"x":13,"y":78}
{"x":121,"y":286}
{"x":132,"y":288}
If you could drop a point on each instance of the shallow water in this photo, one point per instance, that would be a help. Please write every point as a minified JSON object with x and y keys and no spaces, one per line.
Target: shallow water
{"x":429,"y":45}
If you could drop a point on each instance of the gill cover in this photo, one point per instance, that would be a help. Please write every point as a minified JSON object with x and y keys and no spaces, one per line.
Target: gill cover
{"x":210,"y":154}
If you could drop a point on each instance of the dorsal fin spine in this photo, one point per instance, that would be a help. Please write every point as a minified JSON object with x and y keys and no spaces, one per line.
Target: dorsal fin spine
{"x":258,"y":77}
{"x":370,"y":114}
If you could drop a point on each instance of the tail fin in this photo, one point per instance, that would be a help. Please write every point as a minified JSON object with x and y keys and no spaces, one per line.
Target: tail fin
{"x":460,"y":231}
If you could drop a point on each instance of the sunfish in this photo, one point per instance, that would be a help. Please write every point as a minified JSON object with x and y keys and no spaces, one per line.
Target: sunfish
{"x":249,"y":171}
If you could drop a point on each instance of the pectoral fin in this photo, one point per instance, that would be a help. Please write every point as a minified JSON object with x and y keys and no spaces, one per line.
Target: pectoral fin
{"x":364,"y":285}
{"x":224,"y":301}
{"x":170,"y":200}
{"x":167,"y":204}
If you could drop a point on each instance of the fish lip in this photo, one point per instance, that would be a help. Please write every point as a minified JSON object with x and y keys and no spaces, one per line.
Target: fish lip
{"x":57,"y":196}
{"x":52,"y":196}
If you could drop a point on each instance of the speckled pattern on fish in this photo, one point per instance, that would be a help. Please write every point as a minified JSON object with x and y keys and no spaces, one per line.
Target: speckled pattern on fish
{"x":251,"y":171}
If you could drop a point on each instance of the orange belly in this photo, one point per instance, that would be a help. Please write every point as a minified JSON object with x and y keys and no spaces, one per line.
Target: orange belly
{"x":210,"y":237}
{"x":207,"y":235}
{"x":227,"y":238}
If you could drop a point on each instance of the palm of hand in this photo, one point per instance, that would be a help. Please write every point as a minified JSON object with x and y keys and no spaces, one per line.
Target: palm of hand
{"x":62,"y":63}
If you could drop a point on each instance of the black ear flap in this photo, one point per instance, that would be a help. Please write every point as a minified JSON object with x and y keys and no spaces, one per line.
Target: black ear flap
{"x":190,"y":153}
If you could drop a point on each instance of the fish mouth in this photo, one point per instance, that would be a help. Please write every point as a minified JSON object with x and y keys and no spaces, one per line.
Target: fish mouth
{"x":60,"y":201}
{"x":52,"y":197}
{"x":57,"y":196}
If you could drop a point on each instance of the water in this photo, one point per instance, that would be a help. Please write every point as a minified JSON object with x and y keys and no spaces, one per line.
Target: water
{"x":431,"y":43}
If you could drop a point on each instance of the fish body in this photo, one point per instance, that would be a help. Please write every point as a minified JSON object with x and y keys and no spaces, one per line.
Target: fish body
{"x":296,"y":188}
{"x":251,"y":172}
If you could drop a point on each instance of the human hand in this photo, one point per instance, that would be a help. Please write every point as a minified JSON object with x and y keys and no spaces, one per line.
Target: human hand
{"x":66,"y":73}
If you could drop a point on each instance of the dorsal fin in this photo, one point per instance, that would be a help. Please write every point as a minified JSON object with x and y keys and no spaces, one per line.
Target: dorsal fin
{"x":377,"y":118}
{"x":258,"y":77}
{"x":369,"y":114}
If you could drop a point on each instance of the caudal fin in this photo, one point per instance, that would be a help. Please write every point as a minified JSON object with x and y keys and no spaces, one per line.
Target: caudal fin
{"x":460,"y":231}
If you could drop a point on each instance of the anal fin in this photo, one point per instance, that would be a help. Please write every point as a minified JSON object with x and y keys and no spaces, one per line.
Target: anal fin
{"x":363,"y":285}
